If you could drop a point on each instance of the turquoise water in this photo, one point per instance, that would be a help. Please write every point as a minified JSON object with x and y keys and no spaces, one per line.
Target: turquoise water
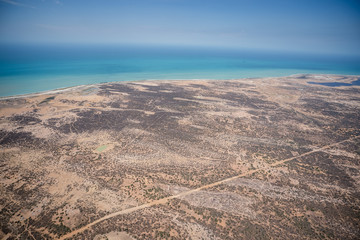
{"x":29,"y":69}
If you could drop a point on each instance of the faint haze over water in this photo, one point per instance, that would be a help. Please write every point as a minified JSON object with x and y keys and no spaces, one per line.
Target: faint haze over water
{"x":27,"y":69}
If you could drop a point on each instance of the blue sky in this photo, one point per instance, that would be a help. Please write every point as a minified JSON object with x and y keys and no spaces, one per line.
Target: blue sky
{"x":320,"y":26}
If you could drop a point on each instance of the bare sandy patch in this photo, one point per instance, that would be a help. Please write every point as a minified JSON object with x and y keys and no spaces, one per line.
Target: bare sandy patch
{"x":223,"y":201}
{"x":114,"y":236}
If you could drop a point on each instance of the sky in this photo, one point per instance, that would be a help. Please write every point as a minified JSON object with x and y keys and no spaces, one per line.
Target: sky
{"x":318,"y":26}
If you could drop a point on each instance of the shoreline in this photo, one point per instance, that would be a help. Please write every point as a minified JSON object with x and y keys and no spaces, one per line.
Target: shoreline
{"x":79,"y":87}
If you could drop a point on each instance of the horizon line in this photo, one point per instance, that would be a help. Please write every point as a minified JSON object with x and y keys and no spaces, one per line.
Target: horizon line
{"x":180,"y":46}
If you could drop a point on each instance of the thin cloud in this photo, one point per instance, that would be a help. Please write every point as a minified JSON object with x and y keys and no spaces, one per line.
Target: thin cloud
{"x":17,"y":4}
{"x":58,"y":2}
{"x":53,"y":27}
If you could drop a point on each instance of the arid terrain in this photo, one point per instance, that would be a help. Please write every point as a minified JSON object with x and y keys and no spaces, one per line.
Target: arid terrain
{"x":271,"y":158}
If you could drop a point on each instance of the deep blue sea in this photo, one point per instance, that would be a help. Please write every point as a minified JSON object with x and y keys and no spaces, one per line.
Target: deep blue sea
{"x":30,"y":68}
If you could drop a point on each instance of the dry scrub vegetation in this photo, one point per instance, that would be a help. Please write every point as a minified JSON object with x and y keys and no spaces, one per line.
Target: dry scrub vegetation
{"x":138,"y":160}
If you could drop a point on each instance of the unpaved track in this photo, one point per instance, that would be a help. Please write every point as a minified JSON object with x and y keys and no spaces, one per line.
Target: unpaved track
{"x":185,"y":193}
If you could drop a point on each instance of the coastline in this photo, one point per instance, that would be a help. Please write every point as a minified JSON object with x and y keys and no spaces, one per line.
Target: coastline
{"x":92,"y":154}
{"x":319,"y":77}
{"x":54,"y":91}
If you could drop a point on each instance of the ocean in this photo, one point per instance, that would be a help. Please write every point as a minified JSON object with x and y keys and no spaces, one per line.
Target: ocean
{"x":28,"y":69}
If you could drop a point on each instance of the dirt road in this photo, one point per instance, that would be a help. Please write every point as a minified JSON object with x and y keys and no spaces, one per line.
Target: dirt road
{"x":185,"y":193}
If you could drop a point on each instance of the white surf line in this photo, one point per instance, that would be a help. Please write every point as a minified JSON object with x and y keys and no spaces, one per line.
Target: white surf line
{"x":185,"y":193}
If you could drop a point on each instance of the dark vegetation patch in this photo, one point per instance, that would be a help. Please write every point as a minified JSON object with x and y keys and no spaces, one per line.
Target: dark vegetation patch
{"x":322,"y":164}
{"x":142,"y":225}
{"x":11,"y":102}
{"x":243,"y":100}
{"x":232,"y":84}
{"x":200,"y":86}
{"x":321,"y":106}
{"x":109,"y":89}
{"x":47,"y":100}
{"x":25,"y":120}
{"x":341,"y":115}
{"x":17,"y":138}
{"x":92,"y":120}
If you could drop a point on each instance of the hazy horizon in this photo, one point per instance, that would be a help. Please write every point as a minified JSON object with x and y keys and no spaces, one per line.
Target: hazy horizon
{"x":318,"y":27}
